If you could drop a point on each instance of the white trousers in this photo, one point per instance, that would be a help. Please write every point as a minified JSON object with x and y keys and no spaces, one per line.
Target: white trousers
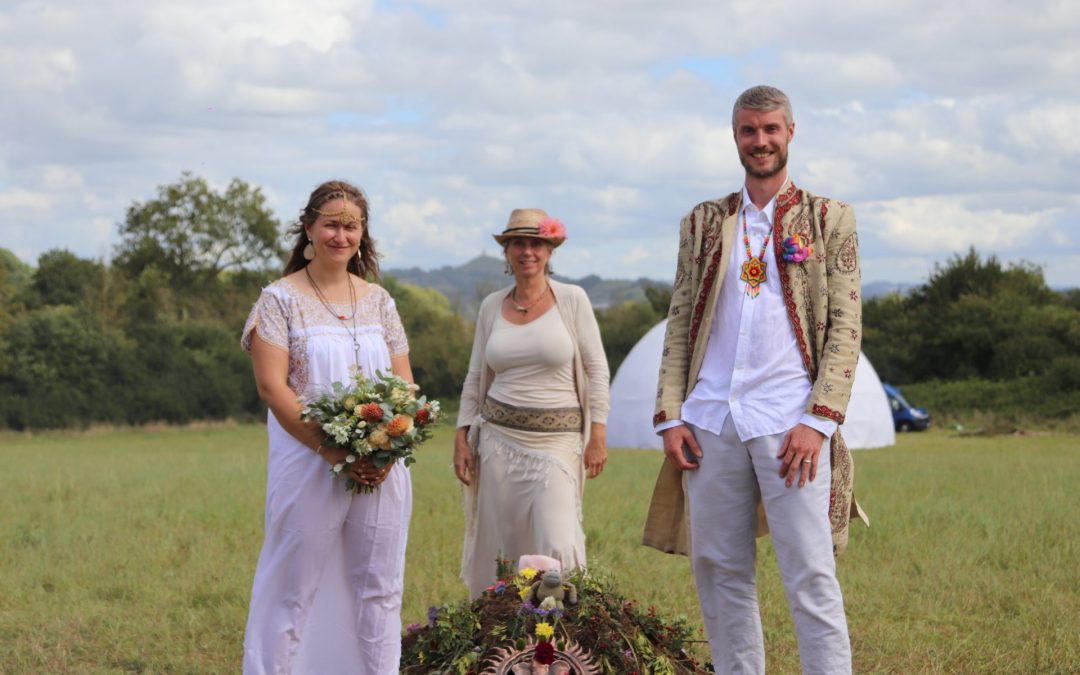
{"x":723,"y":495}
{"x":328,"y":587}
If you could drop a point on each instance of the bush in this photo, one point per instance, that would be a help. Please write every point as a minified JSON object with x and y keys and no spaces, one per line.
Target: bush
{"x":1022,"y":401}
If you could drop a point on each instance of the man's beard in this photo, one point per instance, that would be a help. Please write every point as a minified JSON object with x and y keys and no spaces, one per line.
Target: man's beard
{"x":780,"y":163}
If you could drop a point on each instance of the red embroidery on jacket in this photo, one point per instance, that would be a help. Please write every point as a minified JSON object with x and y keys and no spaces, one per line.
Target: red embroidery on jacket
{"x":659,"y":417}
{"x":709,"y":278}
{"x":827,"y":412}
{"x":784,"y":203}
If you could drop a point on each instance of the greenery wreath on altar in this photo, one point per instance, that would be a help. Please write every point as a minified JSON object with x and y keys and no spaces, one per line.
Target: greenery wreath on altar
{"x":540,"y":622}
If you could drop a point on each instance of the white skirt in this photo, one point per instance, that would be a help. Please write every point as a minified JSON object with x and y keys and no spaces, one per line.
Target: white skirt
{"x":527,"y":501}
{"x":328,"y":586}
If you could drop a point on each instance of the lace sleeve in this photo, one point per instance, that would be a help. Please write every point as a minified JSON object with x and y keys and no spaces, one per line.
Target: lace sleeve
{"x":393,"y":331}
{"x":270,"y":317}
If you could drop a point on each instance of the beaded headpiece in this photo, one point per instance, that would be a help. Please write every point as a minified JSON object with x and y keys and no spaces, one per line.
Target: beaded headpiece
{"x":343,"y":216}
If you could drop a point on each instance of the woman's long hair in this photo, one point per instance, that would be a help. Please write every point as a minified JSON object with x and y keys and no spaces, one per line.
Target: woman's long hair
{"x":366,"y":265}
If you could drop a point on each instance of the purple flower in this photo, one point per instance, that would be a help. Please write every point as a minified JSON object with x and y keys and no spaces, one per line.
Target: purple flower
{"x":412,"y":628}
{"x":432,"y":615}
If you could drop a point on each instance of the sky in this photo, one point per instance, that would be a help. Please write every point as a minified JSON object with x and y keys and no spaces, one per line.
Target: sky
{"x":946,"y":125}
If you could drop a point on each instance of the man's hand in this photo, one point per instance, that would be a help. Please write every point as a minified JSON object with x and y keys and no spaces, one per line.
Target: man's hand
{"x":799,"y":453}
{"x":676,"y":439}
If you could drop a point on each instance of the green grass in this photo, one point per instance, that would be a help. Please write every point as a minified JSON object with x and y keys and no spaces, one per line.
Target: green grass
{"x":133,"y":551}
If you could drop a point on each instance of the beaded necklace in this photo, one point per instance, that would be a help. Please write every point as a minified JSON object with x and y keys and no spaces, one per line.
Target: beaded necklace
{"x":524,"y":309}
{"x":754,"y":270}
{"x":341,"y":317}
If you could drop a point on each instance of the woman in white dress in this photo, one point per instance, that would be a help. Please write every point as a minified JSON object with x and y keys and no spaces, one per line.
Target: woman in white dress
{"x":533,"y":411}
{"x":327,"y":592}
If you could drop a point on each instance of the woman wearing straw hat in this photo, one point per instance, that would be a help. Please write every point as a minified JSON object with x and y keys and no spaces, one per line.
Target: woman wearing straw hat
{"x":533,"y":411}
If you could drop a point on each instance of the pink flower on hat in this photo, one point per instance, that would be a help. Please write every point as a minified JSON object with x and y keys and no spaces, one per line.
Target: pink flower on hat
{"x":551,"y":228}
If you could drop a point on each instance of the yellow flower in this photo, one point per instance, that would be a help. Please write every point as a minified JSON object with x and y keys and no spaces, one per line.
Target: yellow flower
{"x":525,"y":576}
{"x":350,"y":403}
{"x":524,"y":593}
{"x":544,"y":631}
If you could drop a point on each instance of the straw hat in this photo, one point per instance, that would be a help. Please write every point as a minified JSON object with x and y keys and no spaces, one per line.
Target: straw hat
{"x":535,"y":223}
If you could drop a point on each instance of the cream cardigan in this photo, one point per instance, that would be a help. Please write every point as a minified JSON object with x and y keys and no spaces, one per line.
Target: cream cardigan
{"x":590,"y":363}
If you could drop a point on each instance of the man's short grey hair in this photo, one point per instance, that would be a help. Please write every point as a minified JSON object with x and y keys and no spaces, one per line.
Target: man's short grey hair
{"x":765,"y":99}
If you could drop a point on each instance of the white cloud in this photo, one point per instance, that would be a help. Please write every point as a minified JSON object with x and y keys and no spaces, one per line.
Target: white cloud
{"x":948,"y":224}
{"x":613,"y":115}
{"x":19,"y":198}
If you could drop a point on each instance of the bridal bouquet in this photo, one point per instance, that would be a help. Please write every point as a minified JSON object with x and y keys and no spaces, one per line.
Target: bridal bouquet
{"x":380,"y":419}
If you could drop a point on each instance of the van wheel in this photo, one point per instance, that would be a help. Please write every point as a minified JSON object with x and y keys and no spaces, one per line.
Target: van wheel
{"x":904,"y":426}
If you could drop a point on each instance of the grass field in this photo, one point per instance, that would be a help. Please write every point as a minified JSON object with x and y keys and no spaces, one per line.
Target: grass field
{"x":133,"y":551}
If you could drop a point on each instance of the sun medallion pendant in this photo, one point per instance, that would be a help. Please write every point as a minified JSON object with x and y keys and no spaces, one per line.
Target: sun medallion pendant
{"x":753,"y":273}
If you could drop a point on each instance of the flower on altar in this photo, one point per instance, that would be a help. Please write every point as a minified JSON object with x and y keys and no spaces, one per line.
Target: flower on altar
{"x":544,"y":630}
{"x":524,"y":577}
{"x":544,"y":654}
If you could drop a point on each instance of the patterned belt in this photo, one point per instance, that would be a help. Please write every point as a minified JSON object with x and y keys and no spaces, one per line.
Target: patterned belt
{"x":532,"y":419}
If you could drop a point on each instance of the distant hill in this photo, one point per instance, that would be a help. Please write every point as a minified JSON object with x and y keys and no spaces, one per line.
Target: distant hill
{"x":466,"y":285}
{"x":876,"y":289}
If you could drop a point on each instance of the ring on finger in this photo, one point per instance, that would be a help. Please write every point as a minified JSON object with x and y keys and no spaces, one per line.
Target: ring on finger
{"x":808,"y":461}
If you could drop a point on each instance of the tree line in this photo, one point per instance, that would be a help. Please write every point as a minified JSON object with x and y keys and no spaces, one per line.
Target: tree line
{"x":153,"y":334}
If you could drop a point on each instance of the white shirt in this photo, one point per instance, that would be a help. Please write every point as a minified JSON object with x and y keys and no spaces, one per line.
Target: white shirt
{"x":752,"y":368}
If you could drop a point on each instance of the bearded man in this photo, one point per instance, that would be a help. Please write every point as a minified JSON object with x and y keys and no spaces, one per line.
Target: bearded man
{"x":763,"y":336}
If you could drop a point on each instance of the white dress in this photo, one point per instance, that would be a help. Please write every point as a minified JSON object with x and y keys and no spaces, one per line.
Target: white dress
{"x":327,"y":592}
{"x":528,"y":501}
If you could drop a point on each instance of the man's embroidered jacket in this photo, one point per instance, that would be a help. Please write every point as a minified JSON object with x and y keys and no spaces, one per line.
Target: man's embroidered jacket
{"x":821,"y":295}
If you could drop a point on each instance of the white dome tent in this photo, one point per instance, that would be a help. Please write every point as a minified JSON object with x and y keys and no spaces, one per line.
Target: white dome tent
{"x":868,"y":424}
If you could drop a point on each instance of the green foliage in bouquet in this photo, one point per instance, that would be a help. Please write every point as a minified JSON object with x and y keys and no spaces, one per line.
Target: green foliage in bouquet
{"x":620,"y":636}
{"x":379,"y":419}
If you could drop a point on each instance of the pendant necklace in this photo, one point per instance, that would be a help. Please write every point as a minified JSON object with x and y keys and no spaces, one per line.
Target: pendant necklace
{"x":341,"y":317}
{"x":524,"y":309}
{"x":754,"y":270}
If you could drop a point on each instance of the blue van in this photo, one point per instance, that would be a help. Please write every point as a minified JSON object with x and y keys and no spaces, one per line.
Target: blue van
{"x":906,"y":417}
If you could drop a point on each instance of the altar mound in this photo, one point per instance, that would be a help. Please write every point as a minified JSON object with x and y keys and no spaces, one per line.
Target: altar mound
{"x":502,"y":632}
